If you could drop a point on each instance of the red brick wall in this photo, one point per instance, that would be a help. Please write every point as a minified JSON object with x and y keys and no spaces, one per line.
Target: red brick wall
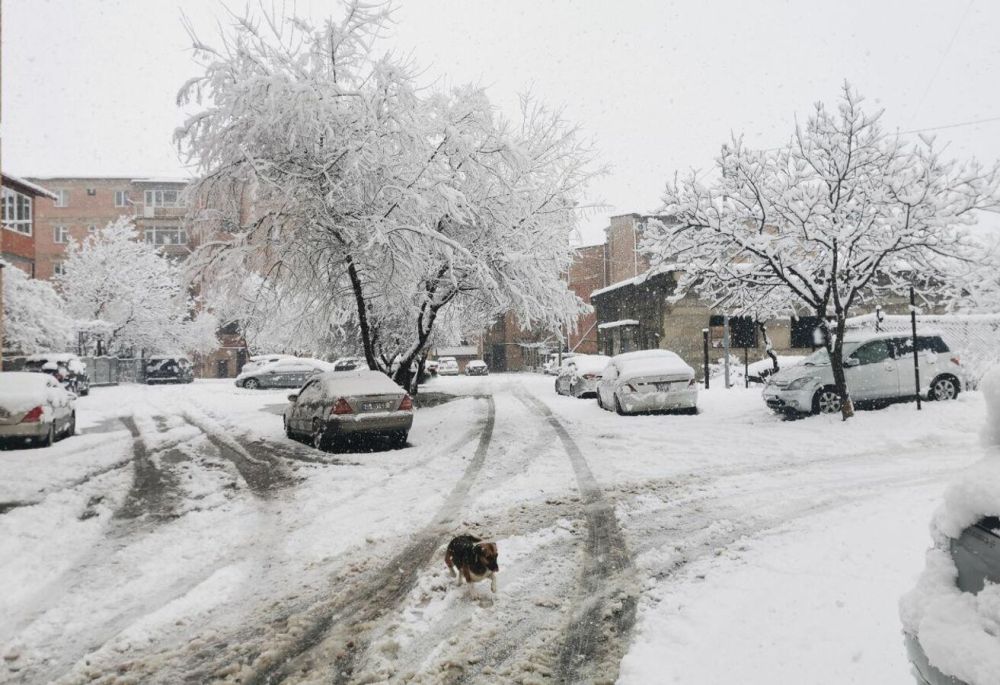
{"x":586,"y":274}
{"x":17,"y":245}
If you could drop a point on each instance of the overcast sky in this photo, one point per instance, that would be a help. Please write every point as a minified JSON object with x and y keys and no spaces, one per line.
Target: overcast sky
{"x":89,"y":85}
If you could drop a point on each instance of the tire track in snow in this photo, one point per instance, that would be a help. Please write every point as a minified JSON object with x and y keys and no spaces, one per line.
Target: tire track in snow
{"x":338,"y":634}
{"x":597,"y":636}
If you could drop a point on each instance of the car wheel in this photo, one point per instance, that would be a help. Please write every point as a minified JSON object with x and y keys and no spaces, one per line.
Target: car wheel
{"x":618,"y":407}
{"x":599,"y":403}
{"x":289,"y":433}
{"x":71,"y":429}
{"x":826,"y":401}
{"x":399,"y":439}
{"x":558,"y":391}
{"x":251,"y":384}
{"x":943,"y":388}
{"x":319,"y":438}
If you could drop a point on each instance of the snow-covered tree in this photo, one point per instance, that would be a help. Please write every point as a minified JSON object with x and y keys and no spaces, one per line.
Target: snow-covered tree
{"x":381,"y":204}
{"x":124,"y":291}
{"x":35,"y":318}
{"x":841,"y":215}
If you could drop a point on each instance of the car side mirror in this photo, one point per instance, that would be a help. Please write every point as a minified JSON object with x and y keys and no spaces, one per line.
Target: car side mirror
{"x":293,"y":397}
{"x":852,"y":361}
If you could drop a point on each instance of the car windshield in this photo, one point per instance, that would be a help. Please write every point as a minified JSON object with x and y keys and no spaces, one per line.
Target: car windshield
{"x":821,"y":358}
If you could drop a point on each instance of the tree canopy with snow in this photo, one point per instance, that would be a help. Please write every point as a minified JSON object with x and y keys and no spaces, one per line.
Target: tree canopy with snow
{"x":34,"y":315}
{"x":381,"y":204}
{"x":126,"y":293}
{"x":844,"y":214}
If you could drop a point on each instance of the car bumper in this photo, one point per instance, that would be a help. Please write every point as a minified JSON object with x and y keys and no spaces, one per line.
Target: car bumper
{"x":634,"y":403}
{"x":478,"y":373}
{"x":33,"y":429}
{"x":789,"y":400}
{"x":584,"y":387}
{"x":922,"y":669}
{"x":375,"y":422}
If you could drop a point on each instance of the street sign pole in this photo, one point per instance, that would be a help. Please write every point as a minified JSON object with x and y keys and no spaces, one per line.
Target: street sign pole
{"x":916,"y":356}
{"x":704,"y":339}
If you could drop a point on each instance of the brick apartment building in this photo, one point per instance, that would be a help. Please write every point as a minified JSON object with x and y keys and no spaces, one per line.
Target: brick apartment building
{"x":18,"y":239}
{"x":79,"y":205}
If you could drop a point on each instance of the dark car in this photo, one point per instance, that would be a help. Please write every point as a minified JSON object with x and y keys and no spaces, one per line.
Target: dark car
{"x":976,"y":553}
{"x":168,"y":370}
{"x":65,"y":367}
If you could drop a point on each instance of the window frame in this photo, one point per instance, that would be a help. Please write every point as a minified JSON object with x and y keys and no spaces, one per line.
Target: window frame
{"x":156,"y":197}
{"x":17,"y":212}
{"x":63,"y":197}
{"x":121,"y":198}
{"x":60,"y":230}
{"x":151,"y":235}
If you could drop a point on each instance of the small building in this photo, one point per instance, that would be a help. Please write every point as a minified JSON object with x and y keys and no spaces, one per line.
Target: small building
{"x":18,"y":237}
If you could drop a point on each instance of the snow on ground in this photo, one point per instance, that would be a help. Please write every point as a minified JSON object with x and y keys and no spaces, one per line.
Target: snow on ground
{"x":182,"y":535}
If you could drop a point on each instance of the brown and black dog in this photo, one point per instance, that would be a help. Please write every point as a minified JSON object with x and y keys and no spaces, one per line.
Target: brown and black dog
{"x":474,"y":559}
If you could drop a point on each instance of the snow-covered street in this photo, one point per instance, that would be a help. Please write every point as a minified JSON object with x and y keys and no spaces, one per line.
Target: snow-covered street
{"x":181,"y":537}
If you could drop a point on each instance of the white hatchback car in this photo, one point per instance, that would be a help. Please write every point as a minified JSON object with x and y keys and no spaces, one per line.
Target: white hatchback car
{"x":645,"y":381}
{"x":877,"y":367}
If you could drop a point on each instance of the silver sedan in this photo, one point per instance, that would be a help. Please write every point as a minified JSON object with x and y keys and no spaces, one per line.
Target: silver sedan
{"x":35,"y":407}
{"x":342,"y":404}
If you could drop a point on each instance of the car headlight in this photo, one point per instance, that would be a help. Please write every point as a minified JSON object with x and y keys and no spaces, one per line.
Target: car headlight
{"x":800,"y":383}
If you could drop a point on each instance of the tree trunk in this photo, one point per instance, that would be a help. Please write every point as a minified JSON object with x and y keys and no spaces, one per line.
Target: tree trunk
{"x":834,"y":344}
{"x":768,"y":347}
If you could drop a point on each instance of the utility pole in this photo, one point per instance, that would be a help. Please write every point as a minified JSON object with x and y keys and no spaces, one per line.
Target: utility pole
{"x":725,"y":346}
{"x":704,"y":339}
{"x":916,"y":355}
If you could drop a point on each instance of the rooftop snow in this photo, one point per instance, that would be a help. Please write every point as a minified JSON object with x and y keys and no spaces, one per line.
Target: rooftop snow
{"x":37,"y":189}
{"x":617,"y":324}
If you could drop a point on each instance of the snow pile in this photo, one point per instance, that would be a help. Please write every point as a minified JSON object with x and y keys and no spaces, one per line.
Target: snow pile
{"x":959,"y":631}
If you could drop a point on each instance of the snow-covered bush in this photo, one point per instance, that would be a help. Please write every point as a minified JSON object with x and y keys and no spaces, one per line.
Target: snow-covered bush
{"x":130,"y":295}
{"x":379,"y":203}
{"x":35,"y":318}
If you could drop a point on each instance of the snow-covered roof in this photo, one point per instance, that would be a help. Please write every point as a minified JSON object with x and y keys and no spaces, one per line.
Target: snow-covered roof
{"x":636,"y":280}
{"x":28,"y":185}
{"x":162,"y":179}
{"x":617,"y":324}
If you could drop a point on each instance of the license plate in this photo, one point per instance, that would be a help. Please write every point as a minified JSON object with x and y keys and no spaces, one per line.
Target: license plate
{"x":376,"y":406}
{"x":663,"y":387}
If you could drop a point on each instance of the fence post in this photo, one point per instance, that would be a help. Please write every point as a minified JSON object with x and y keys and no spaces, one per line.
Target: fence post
{"x":916,"y":355}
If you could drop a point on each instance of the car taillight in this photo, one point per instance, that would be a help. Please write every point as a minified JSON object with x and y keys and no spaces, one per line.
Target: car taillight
{"x":341,"y":407}
{"x":590,"y":376}
{"x":956,"y":361}
{"x":33,"y":415}
{"x":406,"y":404}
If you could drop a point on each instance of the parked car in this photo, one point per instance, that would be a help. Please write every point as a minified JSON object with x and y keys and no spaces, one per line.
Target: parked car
{"x":645,"y":381}
{"x":948,"y":620}
{"x":292,"y":372}
{"x":348,"y":364}
{"x":341,"y":404}
{"x":552,"y":366}
{"x":580,"y":375}
{"x":35,"y":407}
{"x":169,"y":369}
{"x":447,"y":366}
{"x":65,"y":367}
{"x":260,"y":360}
{"x":431,"y":366}
{"x":877,"y":367}
{"x":477,"y":367}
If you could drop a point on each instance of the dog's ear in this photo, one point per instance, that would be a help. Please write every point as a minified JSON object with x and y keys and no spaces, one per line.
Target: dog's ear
{"x":490,"y":549}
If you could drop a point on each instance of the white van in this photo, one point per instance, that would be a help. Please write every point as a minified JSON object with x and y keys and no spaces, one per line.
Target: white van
{"x":877,"y":367}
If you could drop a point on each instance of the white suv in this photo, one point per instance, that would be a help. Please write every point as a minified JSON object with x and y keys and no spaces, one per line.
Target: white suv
{"x":877,"y":366}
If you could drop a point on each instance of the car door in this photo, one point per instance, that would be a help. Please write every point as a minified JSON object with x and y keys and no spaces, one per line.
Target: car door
{"x":873,"y":372}
{"x":59,"y":401}
{"x":927,"y":360}
{"x":606,"y":388}
{"x":305,"y":406}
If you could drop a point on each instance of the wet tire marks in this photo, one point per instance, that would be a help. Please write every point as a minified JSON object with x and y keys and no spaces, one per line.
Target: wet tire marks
{"x":601,"y":623}
{"x":154,"y":490}
{"x":337,"y":634}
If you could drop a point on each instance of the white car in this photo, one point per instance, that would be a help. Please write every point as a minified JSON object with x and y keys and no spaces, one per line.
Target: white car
{"x":291,"y":372}
{"x":645,"y":381}
{"x":580,"y":374}
{"x":447,"y":366}
{"x":477,"y":367}
{"x":35,"y":407}
{"x":877,"y":367}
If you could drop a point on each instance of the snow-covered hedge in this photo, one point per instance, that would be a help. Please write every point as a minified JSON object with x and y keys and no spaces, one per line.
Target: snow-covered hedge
{"x":960,"y":632}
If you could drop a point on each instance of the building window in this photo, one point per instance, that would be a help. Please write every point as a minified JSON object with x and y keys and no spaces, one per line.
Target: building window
{"x":16,"y":211}
{"x":805,"y":330}
{"x":121,"y":198}
{"x":58,"y":268}
{"x":163,"y":235}
{"x":60,"y":234}
{"x":62,"y":198}
{"x":163,"y":198}
{"x":92,"y":228}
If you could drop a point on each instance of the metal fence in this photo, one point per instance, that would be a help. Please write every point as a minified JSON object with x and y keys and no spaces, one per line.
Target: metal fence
{"x":112,"y":370}
{"x":975,"y":337}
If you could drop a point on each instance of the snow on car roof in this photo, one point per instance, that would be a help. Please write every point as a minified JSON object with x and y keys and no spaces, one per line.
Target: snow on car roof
{"x":51,"y":356}
{"x":357,"y":382}
{"x":22,"y":390}
{"x":16,"y":381}
{"x":864,"y":336}
{"x":585,"y":363}
{"x":476,"y":362}
{"x":642,"y":354}
{"x":668,"y":364}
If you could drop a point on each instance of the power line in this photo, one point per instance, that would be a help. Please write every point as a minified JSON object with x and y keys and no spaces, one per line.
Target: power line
{"x":944,"y":54}
{"x":939,"y":128}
